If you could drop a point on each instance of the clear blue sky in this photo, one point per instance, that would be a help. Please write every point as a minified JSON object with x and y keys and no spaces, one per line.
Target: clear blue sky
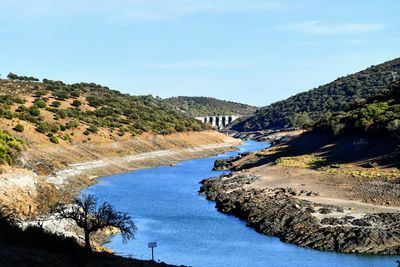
{"x":251,"y":51}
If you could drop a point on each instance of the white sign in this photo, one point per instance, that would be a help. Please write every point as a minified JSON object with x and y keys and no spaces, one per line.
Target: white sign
{"x":152,"y":244}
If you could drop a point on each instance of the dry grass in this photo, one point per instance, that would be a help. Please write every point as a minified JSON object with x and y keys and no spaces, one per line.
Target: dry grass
{"x":271,"y":151}
{"x":365,"y":173}
{"x":304,"y":161}
{"x":314,"y":162}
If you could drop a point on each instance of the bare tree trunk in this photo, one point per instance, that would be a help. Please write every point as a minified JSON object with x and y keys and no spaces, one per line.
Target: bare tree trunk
{"x":88,"y":247}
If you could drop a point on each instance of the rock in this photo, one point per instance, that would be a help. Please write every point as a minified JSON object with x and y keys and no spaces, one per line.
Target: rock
{"x":277,"y":212}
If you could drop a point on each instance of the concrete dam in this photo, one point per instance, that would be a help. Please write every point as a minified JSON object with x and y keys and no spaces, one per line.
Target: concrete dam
{"x":219,"y":121}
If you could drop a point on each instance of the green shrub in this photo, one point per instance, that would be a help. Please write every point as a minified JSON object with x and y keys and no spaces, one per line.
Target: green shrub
{"x":34,"y":111}
{"x":46,"y":127}
{"x":121,"y":132}
{"x":61,"y":94}
{"x":56,"y":104}
{"x":9,"y":147}
{"x":76,"y":103}
{"x":66,"y":137}
{"x":93,"y":129}
{"x":19,"y":128}
{"x":40,"y":103}
{"x":54,"y":139}
{"x":8,"y":114}
{"x":72,"y":124}
{"x":21,"y":108}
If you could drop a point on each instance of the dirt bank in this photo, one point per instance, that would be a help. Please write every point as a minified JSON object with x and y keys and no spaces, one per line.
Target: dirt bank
{"x":50,"y":173}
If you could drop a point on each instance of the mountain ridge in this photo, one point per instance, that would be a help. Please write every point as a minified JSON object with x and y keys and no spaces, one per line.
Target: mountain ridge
{"x":197,"y":106}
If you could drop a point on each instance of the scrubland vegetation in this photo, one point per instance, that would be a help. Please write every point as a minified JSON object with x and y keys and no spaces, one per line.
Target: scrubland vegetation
{"x":307,"y":108}
{"x":59,"y":111}
{"x":208,"y":106}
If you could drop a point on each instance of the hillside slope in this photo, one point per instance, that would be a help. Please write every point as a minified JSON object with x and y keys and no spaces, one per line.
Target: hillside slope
{"x":202,"y":106}
{"x":339,"y":95}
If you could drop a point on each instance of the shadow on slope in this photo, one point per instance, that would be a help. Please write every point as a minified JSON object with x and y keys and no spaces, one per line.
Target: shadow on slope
{"x":33,"y":247}
{"x":351,"y":148}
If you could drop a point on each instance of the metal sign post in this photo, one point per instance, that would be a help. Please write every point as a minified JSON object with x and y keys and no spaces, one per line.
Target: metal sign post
{"x":152,"y":245}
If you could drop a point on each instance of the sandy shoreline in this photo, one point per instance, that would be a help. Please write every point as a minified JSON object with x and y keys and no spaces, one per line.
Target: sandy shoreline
{"x":169,"y":156}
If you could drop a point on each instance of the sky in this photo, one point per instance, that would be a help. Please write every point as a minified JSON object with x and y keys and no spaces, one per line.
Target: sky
{"x":250,"y":51}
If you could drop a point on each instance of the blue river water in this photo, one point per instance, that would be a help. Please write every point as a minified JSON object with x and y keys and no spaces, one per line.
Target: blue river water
{"x":166,"y":208}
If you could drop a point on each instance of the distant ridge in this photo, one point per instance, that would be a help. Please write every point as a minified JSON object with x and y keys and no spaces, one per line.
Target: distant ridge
{"x":203,"y":106}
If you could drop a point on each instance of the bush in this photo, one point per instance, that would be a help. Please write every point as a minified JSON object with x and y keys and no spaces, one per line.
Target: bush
{"x":61,"y":94}
{"x":40,"y":103}
{"x":21,"y":108}
{"x":121,"y":132}
{"x":56,"y":104}
{"x":19,"y":128}
{"x":13,"y":76}
{"x":72,"y":124}
{"x":45,"y":127}
{"x":54,"y":139}
{"x":8,"y":114}
{"x":9,"y":147}
{"x":93,"y":129}
{"x":34,"y":111}
{"x":76,"y":103}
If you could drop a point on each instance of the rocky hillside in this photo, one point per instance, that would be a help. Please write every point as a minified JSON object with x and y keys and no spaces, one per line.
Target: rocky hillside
{"x":202,"y":106}
{"x":305,"y":108}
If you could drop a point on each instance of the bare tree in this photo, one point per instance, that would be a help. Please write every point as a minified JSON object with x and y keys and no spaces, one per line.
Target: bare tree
{"x":91,"y":218}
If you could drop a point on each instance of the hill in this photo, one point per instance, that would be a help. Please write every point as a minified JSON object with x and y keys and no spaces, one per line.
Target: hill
{"x":54,"y":107}
{"x":307,"y":107}
{"x":202,"y":106}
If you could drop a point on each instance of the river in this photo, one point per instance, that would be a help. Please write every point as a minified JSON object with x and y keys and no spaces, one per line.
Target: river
{"x":167,"y":209}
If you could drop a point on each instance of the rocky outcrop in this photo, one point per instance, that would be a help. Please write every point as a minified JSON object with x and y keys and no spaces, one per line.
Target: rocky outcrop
{"x":226,"y":164}
{"x":271,"y":136}
{"x":278,"y":212}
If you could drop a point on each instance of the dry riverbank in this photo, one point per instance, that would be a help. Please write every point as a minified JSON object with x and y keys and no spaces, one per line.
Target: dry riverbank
{"x":50,"y":173}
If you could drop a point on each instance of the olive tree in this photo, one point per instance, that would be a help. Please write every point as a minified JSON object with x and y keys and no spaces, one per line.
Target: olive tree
{"x":92,"y":217}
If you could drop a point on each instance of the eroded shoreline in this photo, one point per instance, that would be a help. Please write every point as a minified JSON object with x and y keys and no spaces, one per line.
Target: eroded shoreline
{"x":285,"y":213}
